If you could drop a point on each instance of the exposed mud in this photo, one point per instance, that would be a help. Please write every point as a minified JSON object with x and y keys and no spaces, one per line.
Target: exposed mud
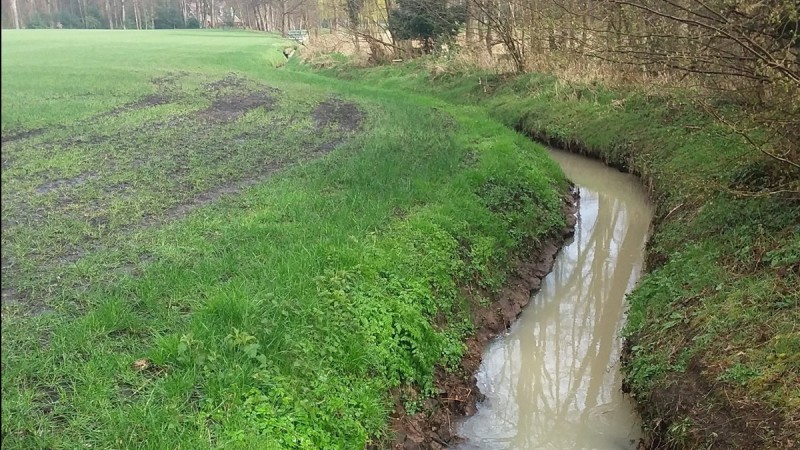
{"x":726,"y":424}
{"x":5,"y":161}
{"x":210,"y":196}
{"x":231,"y":107}
{"x":346,"y":117}
{"x":10,"y":296}
{"x":234,"y":98}
{"x":434,"y":428}
{"x":343,"y":115}
{"x":166,"y":92}
{"x":167,"y":159}
{"x":22,"y":301}
{"x":68,"y":182}
{"x":157,"y":99}
{"x":231,"y":80}
{"x":11,"y":137}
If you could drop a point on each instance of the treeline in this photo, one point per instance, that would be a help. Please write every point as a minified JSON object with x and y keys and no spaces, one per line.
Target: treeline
{"x":741,"y":58}
{"x":264,"y":15}
{"x":100,"y":14}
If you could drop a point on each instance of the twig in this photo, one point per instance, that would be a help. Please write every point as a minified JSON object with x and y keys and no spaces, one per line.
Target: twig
{"x":747,"y":137}
{"x":672,"y":211}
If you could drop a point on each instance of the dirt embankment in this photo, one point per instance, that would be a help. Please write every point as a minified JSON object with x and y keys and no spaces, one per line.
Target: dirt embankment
{"x":435,"y":426}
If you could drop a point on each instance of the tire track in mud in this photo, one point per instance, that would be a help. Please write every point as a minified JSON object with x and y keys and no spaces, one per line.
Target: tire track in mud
{"x":166,"y":92}
{"x":231,"y":98}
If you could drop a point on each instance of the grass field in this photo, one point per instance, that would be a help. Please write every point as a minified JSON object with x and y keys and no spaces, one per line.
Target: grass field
{"x":202,"y":249}
{"x":713,"y":332}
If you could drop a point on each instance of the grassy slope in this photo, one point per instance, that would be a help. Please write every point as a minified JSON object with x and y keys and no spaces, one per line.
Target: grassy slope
{"x":276,"y":318}
{"x":713,"y":328}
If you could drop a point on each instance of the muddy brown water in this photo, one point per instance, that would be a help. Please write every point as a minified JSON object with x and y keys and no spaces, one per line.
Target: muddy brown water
{"x":553,"y":380}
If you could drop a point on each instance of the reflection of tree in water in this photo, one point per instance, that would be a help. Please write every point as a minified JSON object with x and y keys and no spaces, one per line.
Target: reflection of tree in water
{"x":557,"y":370}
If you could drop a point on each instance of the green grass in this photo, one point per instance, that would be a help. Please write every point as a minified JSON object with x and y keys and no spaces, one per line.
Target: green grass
{"x":715,"y":347}
{"x":139,"y":314}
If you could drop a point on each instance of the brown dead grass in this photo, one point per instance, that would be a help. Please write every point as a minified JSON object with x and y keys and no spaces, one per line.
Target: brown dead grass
{"x":319,"y":50}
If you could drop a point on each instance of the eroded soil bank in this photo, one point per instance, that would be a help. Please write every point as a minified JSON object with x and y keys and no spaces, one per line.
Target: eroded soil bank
{"x":435,"y":426}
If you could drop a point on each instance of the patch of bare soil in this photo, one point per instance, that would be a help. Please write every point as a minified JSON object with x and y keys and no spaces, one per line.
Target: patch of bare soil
{"x":716,"y":422}
{"x":17,"y":298}
{"x":231,"y":80}
{"x":211,"y":196}
{"x":11,"y":137}
{"x":233,"y":188}
{"x":159,"y":98}
{"x":166,"y":91}
{"x":11,"y":296}
{"x":165,"y":94}
{"x":434,"y":428}
{"x":69,"y":182}
{"x":343,"y":115}
{"x":228,"y":108}
{"x":234,"y":98}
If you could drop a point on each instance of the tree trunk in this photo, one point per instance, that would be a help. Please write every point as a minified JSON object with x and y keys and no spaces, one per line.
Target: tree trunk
{"x":282,"y":14}
{"x":49,"y":11}
{"x":82,"y":8}
{"x":334,"y":26}
{"x":213,"y":15}
{"x":124,"y":25}
{"x":136,"y":16}
{"x":15,"y":13}
{"x":488,"y":39}
{"x":469,"y":32}
{"x":114,"y":13}
{"x":108,"y":14}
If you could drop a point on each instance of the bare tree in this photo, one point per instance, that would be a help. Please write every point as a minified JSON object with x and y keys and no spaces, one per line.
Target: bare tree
{"x":15,"y":13}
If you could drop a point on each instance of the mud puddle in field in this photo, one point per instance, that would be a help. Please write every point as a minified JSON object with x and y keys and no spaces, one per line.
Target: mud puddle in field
{"x":553,"y":381}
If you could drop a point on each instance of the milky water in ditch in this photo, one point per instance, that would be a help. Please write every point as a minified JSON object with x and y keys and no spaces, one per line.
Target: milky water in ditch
{"x":553,"y":380}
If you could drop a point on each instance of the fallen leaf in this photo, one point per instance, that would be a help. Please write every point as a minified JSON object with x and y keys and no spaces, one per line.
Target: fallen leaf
{"x":141,"y":364}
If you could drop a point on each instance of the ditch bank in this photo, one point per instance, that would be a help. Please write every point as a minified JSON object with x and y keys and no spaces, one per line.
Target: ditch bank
{"x":710,"y":355}
{"x":712,"y":348}
{"x":457,"y":392}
